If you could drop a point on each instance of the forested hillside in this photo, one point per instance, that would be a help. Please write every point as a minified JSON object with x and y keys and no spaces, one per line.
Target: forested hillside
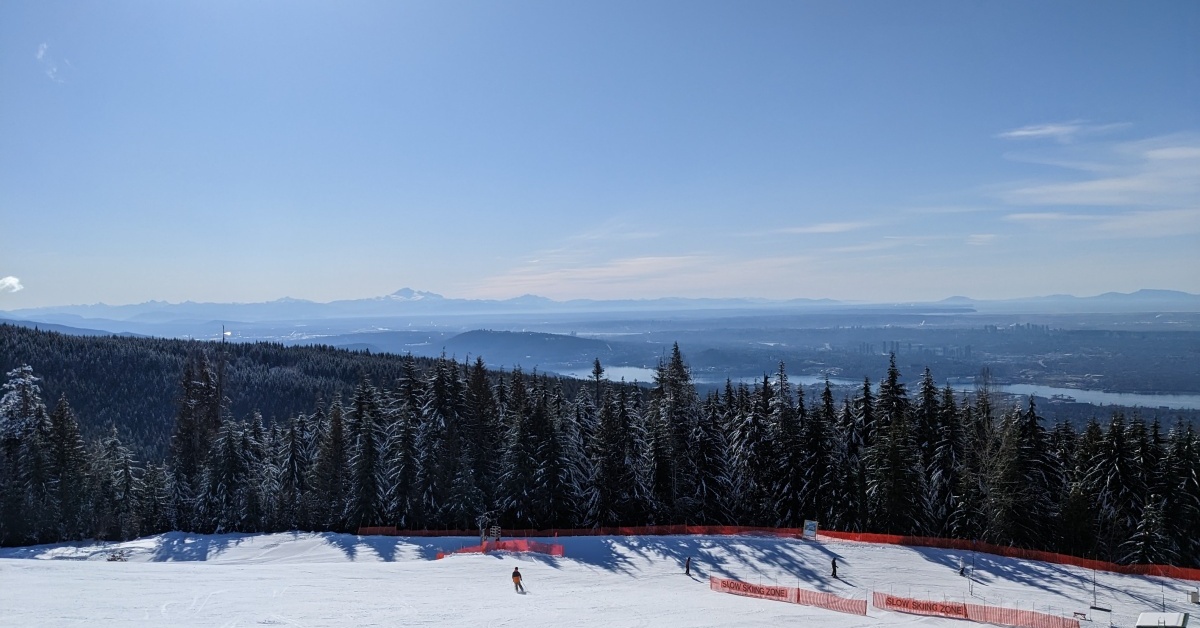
{"x":359,"y":439}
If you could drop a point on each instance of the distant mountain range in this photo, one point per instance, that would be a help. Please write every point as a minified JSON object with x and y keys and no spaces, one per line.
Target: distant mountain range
{"x":408,"y":308}
{"x":408,"y":301}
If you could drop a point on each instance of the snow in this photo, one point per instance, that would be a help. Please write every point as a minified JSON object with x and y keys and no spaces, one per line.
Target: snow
{"x":324,"y":579}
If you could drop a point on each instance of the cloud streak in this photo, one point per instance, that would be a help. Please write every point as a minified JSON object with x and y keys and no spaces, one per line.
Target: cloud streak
{"x":10,"y":284}
{"x":1061,"y":132}
{"x":1158,"y":172}
{"x":826,"y":227}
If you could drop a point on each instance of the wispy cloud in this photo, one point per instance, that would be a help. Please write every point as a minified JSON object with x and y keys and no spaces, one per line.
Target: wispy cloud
{"x":889,"y":242}
{"x":10,"y":284}
{"x":981,"y":239}
{"x":49,"y":65}
{"x":1150,"y":224}
{"x":826,"y":227}
{"x":1158,"y":223}
{"x":1048,"y":217}
{"x":1062,"y":132}
{"x":1158,"y":172}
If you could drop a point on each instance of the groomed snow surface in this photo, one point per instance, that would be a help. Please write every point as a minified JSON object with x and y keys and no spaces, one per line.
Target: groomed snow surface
{"x":313,"y":579}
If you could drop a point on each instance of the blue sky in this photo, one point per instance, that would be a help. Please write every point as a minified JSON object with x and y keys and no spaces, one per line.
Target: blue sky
{"x":878,"y":151}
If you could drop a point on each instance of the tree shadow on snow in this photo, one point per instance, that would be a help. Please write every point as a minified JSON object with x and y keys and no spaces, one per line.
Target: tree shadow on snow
{"x":185,"y":547}
{"x":747,"y":557}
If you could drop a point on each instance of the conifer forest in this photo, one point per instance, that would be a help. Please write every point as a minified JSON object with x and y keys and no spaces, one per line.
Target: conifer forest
{"x":118,"y":437}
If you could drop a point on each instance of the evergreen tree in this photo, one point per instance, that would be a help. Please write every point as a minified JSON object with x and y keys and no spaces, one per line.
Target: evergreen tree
{"x":928,"y":418}
{"x":116,"y":491}
{"x":755,"y":455}
{"x":367,"y":487}
{"x":196,"y":423}
{"x":466,"y":500}
{"x":157,"y":513}
{"x":68,"y":471}
{"x":1151,"y":543}
{"x":22,"y":423}
{"x":517,"y":499}
{"x":612,"y":454}
{"x":403,"y":456}
{"x":673,"y":407}
{"x":711,"y":458}
{"x":895,"y":476}
{"x":851,"y":513}
{"x":1181,"y":507}
{"x":295,"y":467}
{"x":329,"y":481}
{"x":1023,"y":504}
{"x":226,"y":485}
{"x":945,"y":468}
{"x":1114,"y":478}
{"x":792,"y":494}
{"x":822,"y":455}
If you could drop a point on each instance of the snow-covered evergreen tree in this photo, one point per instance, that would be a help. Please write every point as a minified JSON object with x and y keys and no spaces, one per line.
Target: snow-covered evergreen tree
{"x":895,"y":475}
{"x":945,"y":468}
{"x":712,"y":459}
{"x":366,"y":475}
{"x":329,"y":472}
{"x":790,"y":504}
{"x":1151,"y":542}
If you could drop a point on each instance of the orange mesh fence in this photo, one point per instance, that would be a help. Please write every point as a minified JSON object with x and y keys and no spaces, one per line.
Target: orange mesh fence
{"x":794,"y":595}
{"x":516,"y":545}
{"x":973,"y":612}
{"x":831,"y":602}
{"x":1015,"y":617}
{"x":1183,"y":573}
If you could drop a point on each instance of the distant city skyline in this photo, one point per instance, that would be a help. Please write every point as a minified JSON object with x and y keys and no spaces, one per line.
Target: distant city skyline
{"x":871,"y":151}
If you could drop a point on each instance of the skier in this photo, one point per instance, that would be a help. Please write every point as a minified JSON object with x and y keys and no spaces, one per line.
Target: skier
{"x":517,"y":586}
{"x":687,"y":566}
{"x":835,"y":567}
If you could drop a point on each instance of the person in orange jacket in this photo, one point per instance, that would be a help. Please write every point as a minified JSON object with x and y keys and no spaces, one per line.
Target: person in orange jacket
{"x":517,"y":586}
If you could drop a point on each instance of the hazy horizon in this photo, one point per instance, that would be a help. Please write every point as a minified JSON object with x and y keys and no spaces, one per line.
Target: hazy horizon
{"x":649,"y":298}
{"x":874,"y":152}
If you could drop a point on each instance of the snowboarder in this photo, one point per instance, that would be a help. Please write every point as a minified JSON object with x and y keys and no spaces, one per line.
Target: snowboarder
{"x":687,"y":566}
{"x":834,"y":563}
{"x":517,"y":586}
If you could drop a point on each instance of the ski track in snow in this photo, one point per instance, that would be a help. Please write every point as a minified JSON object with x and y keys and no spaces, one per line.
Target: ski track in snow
{"x":338,"y":580}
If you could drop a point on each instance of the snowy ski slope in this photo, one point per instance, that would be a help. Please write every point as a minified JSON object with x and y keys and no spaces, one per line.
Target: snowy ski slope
{"x":312,"y":579}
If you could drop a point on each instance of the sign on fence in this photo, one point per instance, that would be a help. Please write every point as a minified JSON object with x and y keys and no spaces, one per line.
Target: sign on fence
{"x":810,"y":530}
{"x":827,"y":601}
{"x":956,"y":610}
{"x":973,"y":612}
{"x":767,"y":592}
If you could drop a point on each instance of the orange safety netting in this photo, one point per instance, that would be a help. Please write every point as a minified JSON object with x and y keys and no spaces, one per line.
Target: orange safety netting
{"x":1183,"y":573}
{"x":831,"y":602}
{"x":789,"y":594}
{"x":973,"y":612}
{"x":516,"y":545}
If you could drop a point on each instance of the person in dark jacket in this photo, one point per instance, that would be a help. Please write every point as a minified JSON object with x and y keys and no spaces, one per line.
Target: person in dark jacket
{"x":517,"y":586}
{"x":834,"y":563}
{"x":687,"y":566}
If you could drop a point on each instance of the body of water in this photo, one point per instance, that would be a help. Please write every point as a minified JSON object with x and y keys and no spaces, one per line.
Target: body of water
{"x":1099,"y":397}
{"x":1095,"y":397}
